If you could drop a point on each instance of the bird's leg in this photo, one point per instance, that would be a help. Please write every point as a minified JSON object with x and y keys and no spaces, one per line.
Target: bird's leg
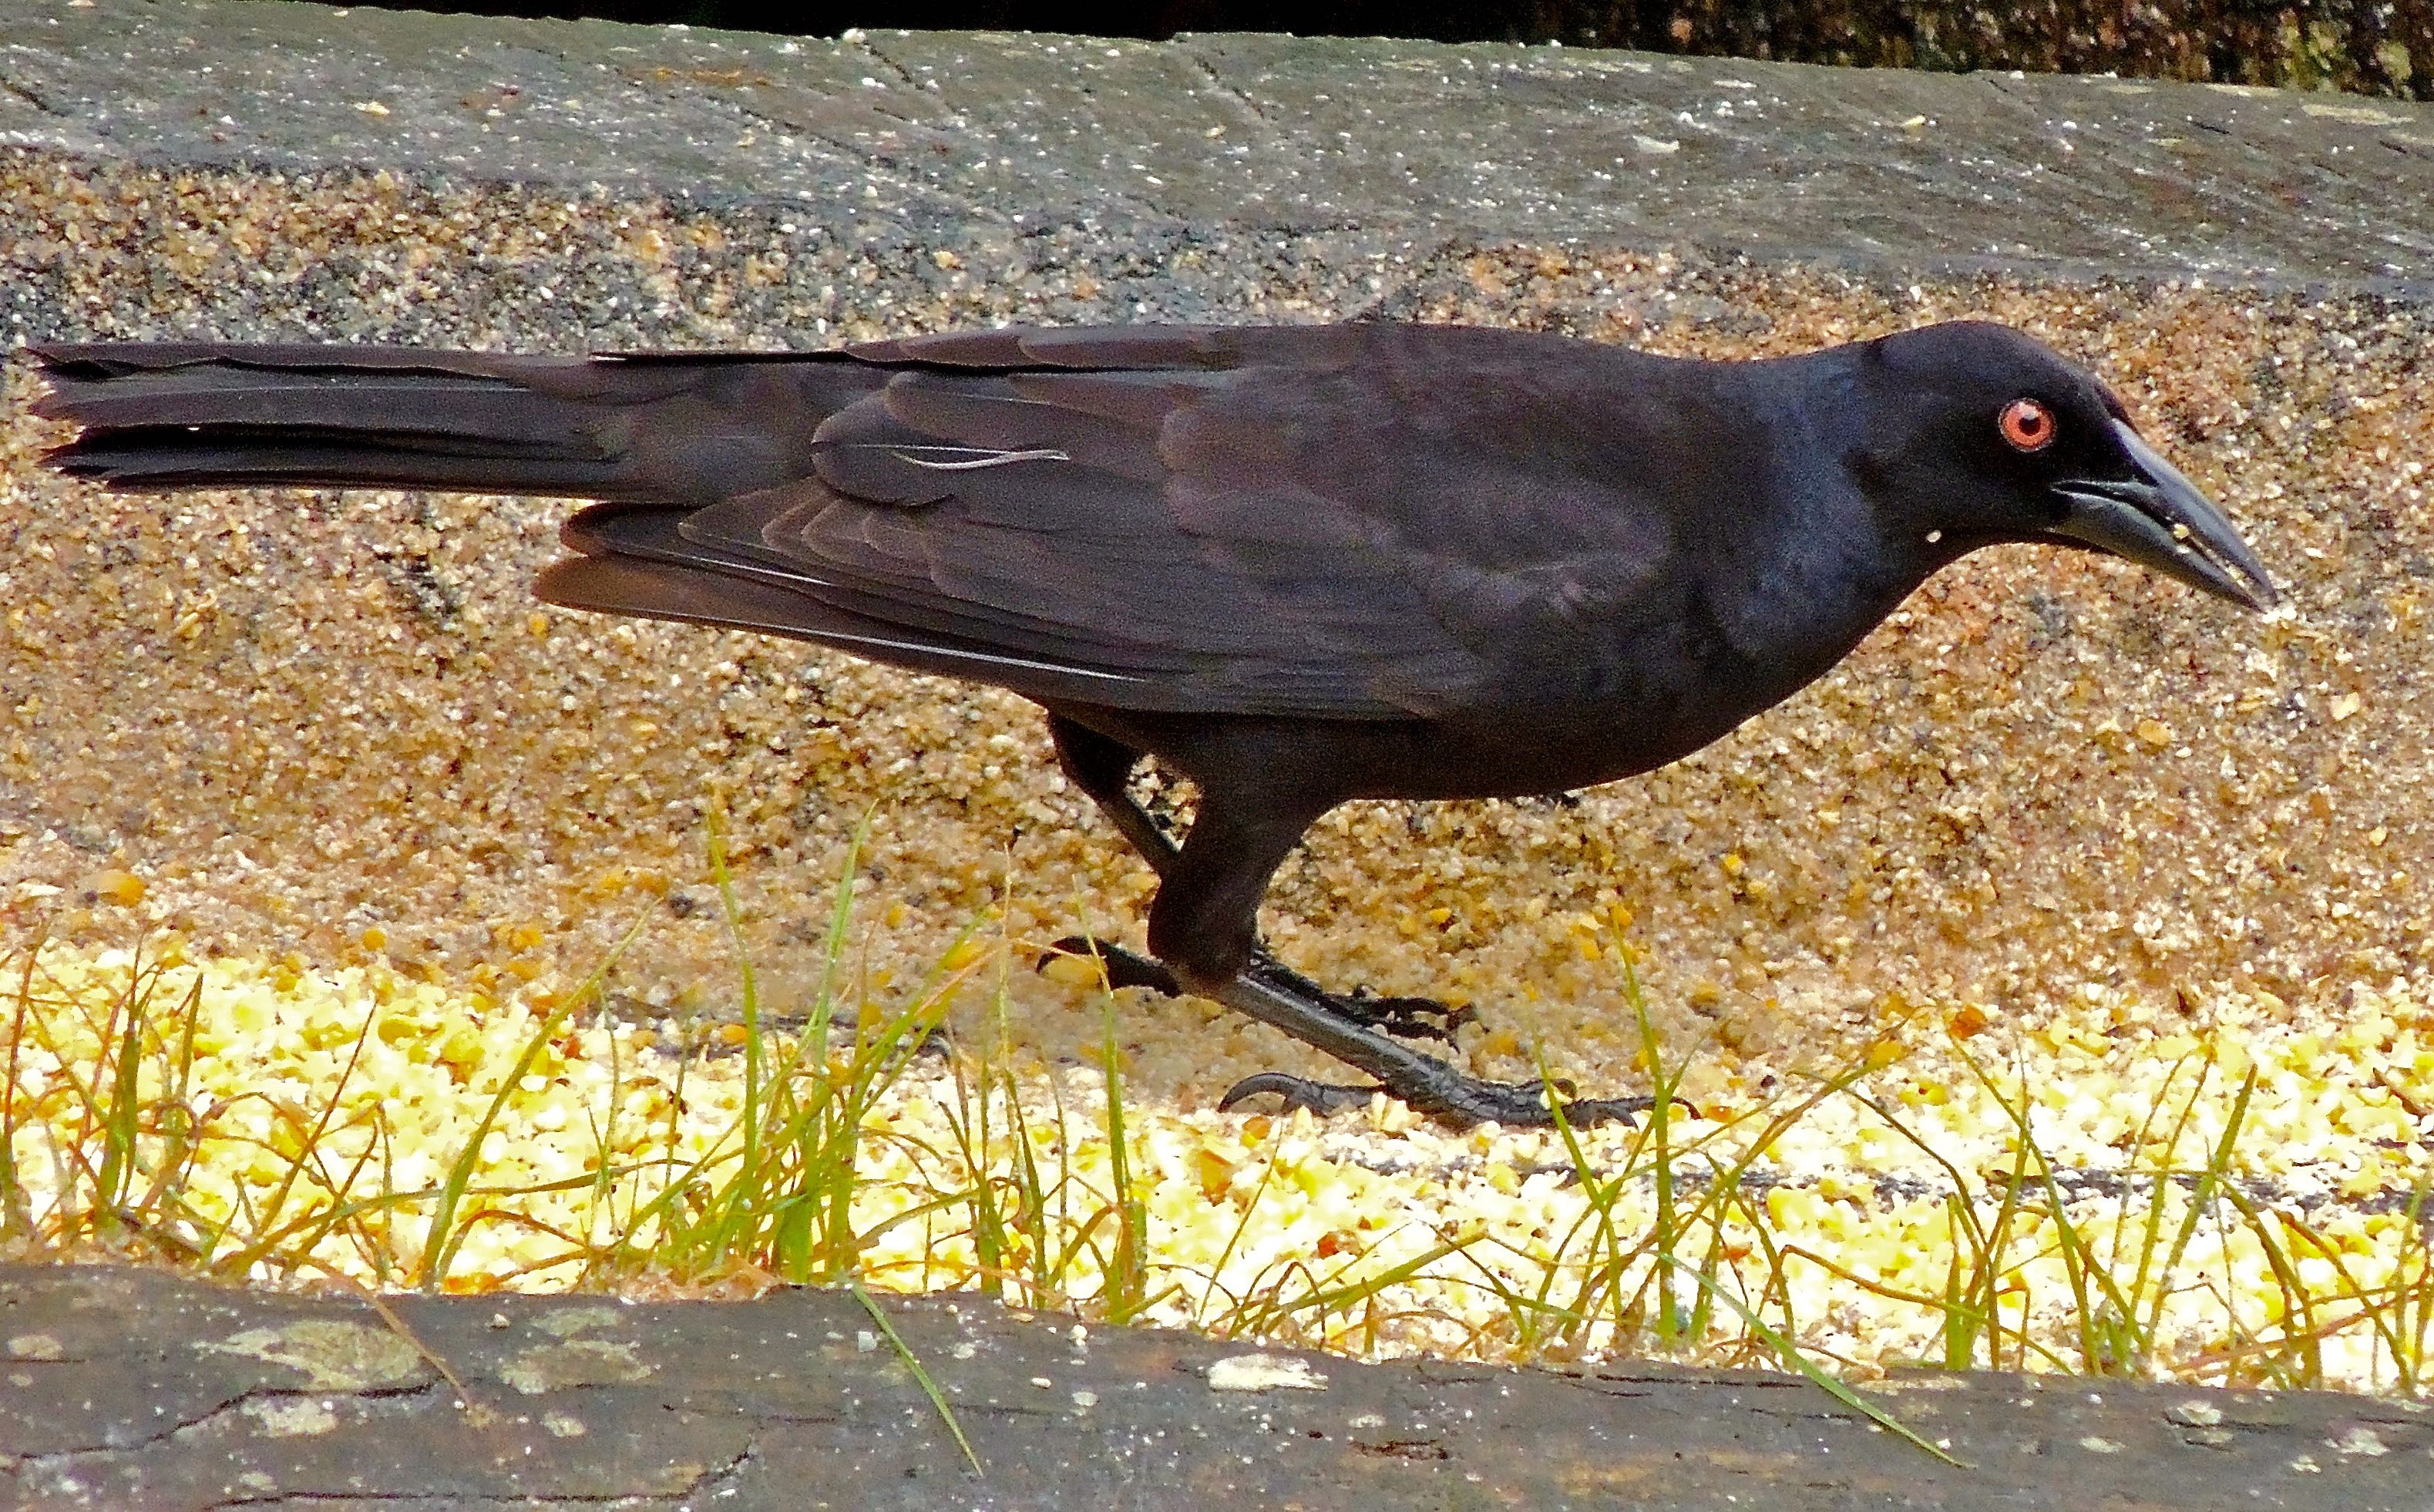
{"x":1204,"y":925}
{"x":1103,"y":768}
{"x":1427,"y":1083}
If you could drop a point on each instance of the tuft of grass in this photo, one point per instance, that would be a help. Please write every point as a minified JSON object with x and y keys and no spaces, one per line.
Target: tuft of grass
{"x":446,"y":1235}
{"x":776,"y":1195}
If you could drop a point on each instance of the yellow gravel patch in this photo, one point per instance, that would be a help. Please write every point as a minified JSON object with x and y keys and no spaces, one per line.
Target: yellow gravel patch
{"x":1870,"y":1223}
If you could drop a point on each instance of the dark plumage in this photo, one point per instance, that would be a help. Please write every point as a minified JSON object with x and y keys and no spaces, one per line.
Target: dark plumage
{"x":1296,"y":564}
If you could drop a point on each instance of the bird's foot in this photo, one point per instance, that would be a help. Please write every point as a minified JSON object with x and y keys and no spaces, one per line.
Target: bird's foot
{"x":1427,"y":1083}
{"x":1412,"y":1017}
{"x":1445,"y":1094}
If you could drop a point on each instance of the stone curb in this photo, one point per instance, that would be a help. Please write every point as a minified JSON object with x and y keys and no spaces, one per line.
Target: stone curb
{"x":931,"y":131}
{"x":132,"y":1388}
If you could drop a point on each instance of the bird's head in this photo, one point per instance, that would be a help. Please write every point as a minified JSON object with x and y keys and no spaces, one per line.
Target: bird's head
{"x":1976,"y":433}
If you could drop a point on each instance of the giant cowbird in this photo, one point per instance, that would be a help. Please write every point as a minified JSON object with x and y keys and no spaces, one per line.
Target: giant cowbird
{"x":1296,"y":565}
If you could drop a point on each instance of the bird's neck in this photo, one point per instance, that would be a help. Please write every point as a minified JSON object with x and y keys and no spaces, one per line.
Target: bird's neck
{"x":1813,"y":562}
{"x":1817,"y":566}
{"x":1801,"y":606}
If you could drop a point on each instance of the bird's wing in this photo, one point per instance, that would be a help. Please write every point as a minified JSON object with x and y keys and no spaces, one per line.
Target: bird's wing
{"x":1338,"y":522}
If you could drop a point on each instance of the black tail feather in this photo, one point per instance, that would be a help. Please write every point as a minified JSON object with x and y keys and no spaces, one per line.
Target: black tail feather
{"x":164,"y":416}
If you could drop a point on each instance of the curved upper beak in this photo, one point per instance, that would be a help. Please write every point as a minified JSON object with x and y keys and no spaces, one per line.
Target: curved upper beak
{"x":2160,"y":521}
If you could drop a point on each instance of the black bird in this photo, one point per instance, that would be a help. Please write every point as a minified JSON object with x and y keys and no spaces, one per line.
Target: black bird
{"x":1296,"y":565}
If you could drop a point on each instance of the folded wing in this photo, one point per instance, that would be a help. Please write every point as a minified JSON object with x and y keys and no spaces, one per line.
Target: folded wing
{"x":1363,"y":522}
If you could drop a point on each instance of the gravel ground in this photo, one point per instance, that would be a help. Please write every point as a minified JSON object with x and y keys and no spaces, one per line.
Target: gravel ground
{"x":2049,"y":782}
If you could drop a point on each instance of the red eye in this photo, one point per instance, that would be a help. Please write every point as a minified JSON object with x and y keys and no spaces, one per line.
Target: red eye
{"x":2028,"y":425}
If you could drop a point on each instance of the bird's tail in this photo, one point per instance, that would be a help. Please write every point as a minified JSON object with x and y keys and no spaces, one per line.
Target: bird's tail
{"x":659,"y":428}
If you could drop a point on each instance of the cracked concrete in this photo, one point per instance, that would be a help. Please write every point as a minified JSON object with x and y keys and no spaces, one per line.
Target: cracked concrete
{"x":776,"y":1401}
{"x":925,"y":135}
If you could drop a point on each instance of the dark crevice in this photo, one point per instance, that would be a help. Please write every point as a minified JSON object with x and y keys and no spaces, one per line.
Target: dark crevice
{"x":709,"y":1484}
{"x":30,"y":96}
{"x":168,"y":1431}
{"x":871,"y":50}
{"x":1232,"y":90}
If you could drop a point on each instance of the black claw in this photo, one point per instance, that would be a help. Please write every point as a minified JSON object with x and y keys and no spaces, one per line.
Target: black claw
{"x":1123,"y":967}
{"x":1320,"y":1097}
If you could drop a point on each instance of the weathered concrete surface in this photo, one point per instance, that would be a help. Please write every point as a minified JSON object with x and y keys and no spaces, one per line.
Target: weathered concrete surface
{"x":1381,"y":141}
{"x":127,"y":1388}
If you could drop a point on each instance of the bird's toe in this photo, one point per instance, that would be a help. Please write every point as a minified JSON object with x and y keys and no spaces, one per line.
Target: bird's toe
{"x":1413,"y":1018}
{"x":1320,"y":1097}
{"x":1123,"y":968}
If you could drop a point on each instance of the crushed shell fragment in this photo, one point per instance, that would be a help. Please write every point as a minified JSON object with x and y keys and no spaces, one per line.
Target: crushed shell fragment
{"x":1264,"y":1372}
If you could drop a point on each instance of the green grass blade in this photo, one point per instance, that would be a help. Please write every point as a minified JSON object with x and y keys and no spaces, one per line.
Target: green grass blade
{"x":1825,"y":1381}
{"x":441,"y":1242}
{"x":929,"y":1387}
{"x":1128,"y":1273}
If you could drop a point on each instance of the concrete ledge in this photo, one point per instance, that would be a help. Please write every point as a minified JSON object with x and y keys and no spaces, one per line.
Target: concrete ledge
{"x":127,"y":1388}
{"x":1384,"y":141}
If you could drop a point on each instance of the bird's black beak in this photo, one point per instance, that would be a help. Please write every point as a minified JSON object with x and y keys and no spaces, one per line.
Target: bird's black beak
{"x":2160,"y":521}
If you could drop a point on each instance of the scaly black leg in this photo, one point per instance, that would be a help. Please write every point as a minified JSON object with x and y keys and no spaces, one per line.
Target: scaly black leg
{"x":1102,"y":768}
{"x":1427,"y":1083}
{"x":1204,"y":927}
{"x":1412,"y":1017}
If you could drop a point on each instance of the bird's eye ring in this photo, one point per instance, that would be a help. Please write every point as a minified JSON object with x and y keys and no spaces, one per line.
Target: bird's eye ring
{"x":2028,"y":425}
